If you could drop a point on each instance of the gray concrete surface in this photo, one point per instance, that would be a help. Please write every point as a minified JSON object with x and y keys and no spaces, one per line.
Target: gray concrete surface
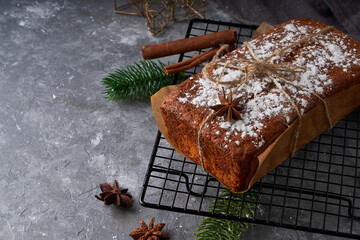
{"x":59,"y":137}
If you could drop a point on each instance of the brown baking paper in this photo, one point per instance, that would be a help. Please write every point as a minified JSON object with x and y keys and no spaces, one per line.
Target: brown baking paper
{"x":263,"y":28}
{"x":313,"y":123}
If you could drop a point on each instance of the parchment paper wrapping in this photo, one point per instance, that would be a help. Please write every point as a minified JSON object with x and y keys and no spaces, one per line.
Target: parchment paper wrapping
{"x":313,"y":123}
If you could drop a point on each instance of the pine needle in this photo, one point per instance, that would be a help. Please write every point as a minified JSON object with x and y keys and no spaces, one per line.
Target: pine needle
{"x":137,"y":81}
{"x":233,"y":204}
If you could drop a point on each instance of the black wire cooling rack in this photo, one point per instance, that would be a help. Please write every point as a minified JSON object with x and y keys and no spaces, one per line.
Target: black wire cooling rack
{"x":318,"y":190}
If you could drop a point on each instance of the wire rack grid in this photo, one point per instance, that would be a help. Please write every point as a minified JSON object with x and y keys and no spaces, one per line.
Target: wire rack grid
{"x":317,"y":190}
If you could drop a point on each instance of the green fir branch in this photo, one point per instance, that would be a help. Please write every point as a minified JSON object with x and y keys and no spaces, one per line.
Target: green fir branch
{"x":234,"y":204}
{"x":137,"y":81}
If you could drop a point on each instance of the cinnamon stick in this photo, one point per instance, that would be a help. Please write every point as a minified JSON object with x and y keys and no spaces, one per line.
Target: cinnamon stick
{"x":194,"y":61}
{"x":189,"y":44}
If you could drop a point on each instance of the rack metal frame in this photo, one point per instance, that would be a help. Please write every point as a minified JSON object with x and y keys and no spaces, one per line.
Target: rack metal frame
{"x":313,"y":191}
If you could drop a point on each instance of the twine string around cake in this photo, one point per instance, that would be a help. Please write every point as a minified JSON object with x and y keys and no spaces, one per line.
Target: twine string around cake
{"x":278,"y":73}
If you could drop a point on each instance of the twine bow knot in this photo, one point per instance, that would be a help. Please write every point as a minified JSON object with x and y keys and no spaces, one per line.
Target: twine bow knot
{"x":264,"y":67}
{"x":254,"y":67}
{"x":277,"y":73}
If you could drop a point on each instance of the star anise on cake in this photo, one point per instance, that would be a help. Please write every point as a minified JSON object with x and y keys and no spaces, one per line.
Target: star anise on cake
{"x":228,"y":107}
{"x":114,"y":195}
{"x":149,"y":233}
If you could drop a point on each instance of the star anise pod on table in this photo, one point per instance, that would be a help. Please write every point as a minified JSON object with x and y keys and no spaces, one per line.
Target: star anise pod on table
{"x":228,"y":107}
{"x":114,"y":195}
{"x":149,"y":233}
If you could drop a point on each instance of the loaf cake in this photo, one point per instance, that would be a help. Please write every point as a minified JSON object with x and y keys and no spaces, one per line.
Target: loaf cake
{"x":230,"y":149}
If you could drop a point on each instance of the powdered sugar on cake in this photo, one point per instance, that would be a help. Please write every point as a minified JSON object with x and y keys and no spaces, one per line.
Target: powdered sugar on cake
{"x":328,"y":51}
